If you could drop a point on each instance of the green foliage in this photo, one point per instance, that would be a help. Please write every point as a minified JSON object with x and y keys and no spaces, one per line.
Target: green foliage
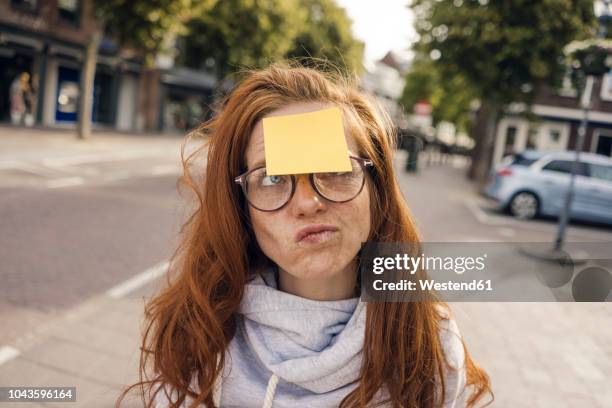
{"x":505,"y":50}
{"x":237,"y":33}
{"x":450,"y":97}
{"x":327,"y":36}
{"x":149,"y":25}
{"x":252,"y":33}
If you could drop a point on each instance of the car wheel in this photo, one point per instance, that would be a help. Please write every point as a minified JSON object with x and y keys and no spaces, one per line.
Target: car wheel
{"x":524,"y":205}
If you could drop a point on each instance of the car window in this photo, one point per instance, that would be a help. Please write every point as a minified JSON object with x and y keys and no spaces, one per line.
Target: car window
{"x":520,"y":160}
{"x":565,"y":166}
{"x":601,"y":171}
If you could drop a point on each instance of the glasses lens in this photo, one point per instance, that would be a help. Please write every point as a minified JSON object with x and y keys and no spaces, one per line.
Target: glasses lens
{"x":342,"y":186}
{"x":267,"y":192}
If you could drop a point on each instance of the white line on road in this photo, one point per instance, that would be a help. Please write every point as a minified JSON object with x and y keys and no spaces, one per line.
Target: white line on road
{"x":65,"y":182}
{"x":101,"y":157}
{"x":118,"y":175}
{"x":138,"y":281}
{"x":8,"y":353}
{"x":165,"y":169}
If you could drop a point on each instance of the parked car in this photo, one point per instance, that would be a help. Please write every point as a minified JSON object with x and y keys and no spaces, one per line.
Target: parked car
{"x":535,"y":182}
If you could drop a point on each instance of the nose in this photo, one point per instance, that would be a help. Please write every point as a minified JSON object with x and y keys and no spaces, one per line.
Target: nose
{"x":306,"y":200}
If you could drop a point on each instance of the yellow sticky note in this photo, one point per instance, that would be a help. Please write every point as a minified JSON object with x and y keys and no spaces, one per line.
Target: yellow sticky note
{"x":310,"y":142}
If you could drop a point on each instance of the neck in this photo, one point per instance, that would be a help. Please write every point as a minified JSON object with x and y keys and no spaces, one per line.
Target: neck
{"x":336,"y":287}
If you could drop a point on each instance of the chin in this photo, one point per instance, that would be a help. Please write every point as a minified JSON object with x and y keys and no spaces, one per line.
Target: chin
{"x":314,"y":269}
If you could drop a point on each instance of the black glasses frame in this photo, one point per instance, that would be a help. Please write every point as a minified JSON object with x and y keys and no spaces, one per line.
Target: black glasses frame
{"x":241,"y":179}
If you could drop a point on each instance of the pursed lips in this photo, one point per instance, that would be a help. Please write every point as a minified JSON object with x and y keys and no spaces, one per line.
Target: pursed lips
{"x":313,"y":229}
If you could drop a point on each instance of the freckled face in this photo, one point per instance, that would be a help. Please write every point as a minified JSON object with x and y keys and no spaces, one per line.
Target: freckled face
{"x":276,"y":231}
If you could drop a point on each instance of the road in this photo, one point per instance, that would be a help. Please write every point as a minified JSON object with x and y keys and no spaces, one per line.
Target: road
{"x":77,"y":220}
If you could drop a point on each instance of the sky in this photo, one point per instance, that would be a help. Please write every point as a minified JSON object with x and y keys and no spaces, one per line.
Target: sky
{"x":383,"y":25}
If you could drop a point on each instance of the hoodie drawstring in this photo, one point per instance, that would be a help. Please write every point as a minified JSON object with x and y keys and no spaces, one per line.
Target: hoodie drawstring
{"x":270,"y":390}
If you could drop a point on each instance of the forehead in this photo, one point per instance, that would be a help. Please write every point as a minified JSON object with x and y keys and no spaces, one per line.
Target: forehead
{"x":255,"y":152}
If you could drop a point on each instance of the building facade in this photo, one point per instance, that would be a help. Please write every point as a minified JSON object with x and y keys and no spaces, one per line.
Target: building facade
{"x":558,"y":116}
{"x":42,"y":50}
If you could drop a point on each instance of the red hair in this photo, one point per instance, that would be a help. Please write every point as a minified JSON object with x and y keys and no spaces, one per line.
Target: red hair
{"x":191,"y":322}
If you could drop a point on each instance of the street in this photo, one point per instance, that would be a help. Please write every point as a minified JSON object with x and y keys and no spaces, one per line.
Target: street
{"x":79,"y":258}
{"x":76,"y":223}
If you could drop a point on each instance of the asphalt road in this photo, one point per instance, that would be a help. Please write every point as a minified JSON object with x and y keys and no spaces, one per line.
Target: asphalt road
{"x":74,"y":227}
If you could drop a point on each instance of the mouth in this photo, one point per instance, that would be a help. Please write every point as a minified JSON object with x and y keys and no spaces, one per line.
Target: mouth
{"x":316,"y":233}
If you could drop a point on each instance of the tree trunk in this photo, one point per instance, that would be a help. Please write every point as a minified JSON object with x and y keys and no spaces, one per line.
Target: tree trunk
{"x":484,"y":131}
{"x":86,"y":91}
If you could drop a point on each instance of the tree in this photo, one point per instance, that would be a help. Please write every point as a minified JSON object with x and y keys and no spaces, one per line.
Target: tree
{"x":505,"y":50}
{"x":450,"y":97}
{"x":252,"y":33}
{"x":147,"y":25}
{"x":241,"y":33}
{"x":327,"y":36}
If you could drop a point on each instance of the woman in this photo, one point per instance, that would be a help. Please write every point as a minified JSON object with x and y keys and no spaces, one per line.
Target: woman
{"x":264,"y":308}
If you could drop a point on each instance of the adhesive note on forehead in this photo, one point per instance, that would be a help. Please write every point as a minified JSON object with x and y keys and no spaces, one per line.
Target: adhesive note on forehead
{"x":310,"y":142}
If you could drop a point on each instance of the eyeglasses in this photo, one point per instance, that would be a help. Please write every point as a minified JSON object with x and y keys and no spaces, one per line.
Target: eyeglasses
{"x":271,"y":193}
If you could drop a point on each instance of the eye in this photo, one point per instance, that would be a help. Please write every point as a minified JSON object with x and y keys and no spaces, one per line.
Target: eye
{"x":267,"y":181}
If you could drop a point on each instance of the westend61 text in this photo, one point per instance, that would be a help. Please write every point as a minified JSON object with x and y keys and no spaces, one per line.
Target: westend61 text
{"x":430,"y":284}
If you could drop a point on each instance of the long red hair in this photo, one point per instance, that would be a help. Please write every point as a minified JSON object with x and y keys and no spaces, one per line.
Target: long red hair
{"x":191,"y":322}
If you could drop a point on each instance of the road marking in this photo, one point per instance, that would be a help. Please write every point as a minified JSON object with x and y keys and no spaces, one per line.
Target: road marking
{"x":165,"y":169}
{"x":100,"y":157}
{"x":31,"y":168}
{"x":138,"y":281}
{"x":65,"y":182}
{"x":8,"y":353}
{"x":118,"y":175}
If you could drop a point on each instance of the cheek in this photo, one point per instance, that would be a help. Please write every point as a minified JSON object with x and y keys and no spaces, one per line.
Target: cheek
{"x":266,"y":233}
{"x":362,"y":215}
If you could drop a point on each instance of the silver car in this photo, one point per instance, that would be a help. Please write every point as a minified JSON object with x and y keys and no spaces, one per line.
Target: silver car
{"x":535,"y":182}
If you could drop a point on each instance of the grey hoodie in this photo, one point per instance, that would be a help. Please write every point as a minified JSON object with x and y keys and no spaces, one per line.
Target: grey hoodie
{"x":293,"y":352}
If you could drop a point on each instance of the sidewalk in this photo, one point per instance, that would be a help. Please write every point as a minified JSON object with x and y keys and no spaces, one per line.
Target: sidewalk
{"x":20,"y":143}
{"x":52,"y":158}
{"x":94,"y":348}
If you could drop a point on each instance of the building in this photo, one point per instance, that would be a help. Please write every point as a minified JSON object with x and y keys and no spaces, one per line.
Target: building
{"x":385,"y":80}
{"x":46,"y":39}
{"x":558,"y":119}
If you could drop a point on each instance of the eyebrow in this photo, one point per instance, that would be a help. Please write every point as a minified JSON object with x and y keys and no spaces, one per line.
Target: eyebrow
{"x":259,"y":163}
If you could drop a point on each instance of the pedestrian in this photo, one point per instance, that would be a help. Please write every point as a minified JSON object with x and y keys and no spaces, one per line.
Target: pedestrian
{"x":262,"y":307}
{"x":19,"y":91}
{"x":31,"y":101}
